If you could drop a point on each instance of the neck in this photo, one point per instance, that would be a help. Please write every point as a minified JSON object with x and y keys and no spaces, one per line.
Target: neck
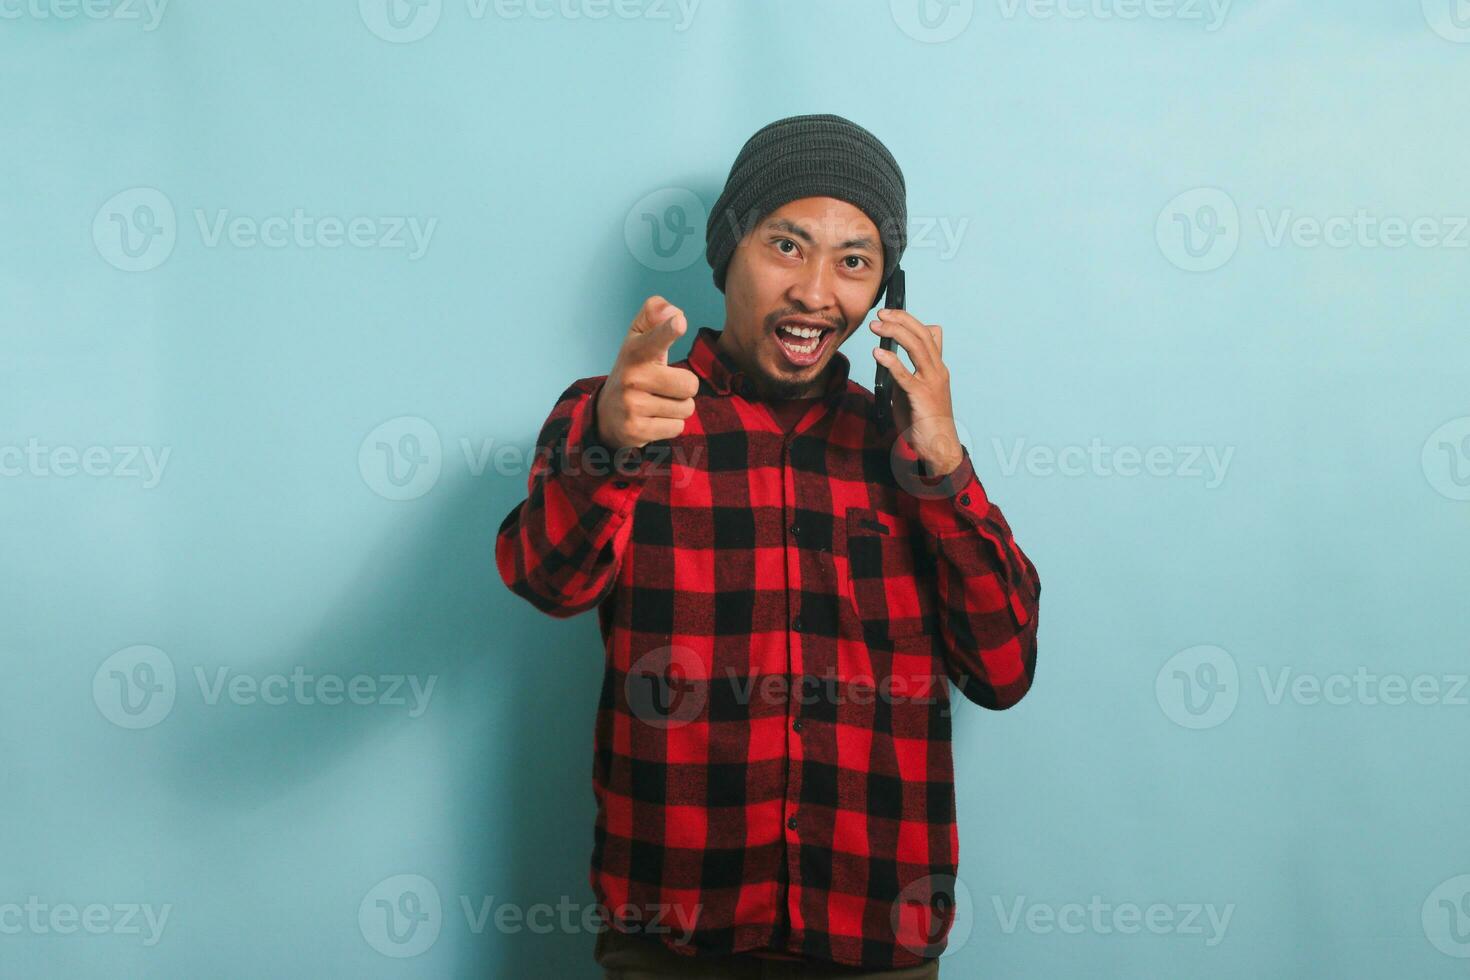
{"x":768,"y":388}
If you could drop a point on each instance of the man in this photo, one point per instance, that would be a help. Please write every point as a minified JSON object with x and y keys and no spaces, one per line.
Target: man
{"x":784,"y":582}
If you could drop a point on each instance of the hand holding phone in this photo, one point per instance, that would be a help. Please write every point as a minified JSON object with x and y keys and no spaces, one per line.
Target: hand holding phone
{"x":883,"y":378}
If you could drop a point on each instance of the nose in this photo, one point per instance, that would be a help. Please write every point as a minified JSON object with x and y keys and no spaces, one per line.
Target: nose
{"x":813,"y":287}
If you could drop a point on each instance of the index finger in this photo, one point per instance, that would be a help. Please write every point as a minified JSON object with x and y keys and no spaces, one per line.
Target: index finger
{"x":913,"y":336}
{"x":653,"y":344}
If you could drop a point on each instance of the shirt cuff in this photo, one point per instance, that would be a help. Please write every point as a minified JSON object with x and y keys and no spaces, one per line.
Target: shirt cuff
{"x":588,"y":468}
{"x":955,"y":502}
{"x":957,"y":505}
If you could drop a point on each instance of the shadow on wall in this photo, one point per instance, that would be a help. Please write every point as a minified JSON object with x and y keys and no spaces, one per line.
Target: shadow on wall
{"x":516,"y":693}
{"x":666,"y":230}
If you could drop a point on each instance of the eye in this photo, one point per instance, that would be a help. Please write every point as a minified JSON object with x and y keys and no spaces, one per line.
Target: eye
{"x":786,"y":241}
{"x":862,"y":261}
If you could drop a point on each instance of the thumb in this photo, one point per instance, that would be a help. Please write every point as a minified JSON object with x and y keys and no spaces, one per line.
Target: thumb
{"x":655,"y":310}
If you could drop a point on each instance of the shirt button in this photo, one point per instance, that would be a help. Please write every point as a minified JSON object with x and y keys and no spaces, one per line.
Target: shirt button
{"x":621,"y":484}
{"x":796,"y":623}
{"x":795,"y":530}
{"x":796,"y":725}
{"x":965,"y":499}
{"x":791,"y":823}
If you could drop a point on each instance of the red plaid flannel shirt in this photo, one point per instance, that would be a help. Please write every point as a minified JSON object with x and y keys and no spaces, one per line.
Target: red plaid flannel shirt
{"x":780,"y":611}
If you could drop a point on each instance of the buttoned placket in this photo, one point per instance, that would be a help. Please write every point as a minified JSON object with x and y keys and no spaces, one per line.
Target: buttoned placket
{"x":794,"y":646}
{"x":743,"y":386}
{"x":737,"y":383}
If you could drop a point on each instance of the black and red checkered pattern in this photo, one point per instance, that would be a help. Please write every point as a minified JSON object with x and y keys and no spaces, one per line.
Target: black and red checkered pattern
{"x":780,"y":613}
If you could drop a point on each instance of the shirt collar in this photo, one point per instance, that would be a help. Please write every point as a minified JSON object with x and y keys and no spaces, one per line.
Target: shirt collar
{"x":724,"y":376}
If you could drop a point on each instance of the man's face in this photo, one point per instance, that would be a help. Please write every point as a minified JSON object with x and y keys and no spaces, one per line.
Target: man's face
{"x":813,"y":264}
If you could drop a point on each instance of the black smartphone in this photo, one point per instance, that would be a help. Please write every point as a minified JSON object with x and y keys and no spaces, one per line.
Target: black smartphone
{"x":883,"y":378}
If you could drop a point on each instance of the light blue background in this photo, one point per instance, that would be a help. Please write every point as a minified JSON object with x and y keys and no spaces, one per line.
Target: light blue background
{"x":1052,"y":146}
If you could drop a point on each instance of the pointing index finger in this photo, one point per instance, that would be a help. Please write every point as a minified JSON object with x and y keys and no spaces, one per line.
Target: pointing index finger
{"x":653,"y":345}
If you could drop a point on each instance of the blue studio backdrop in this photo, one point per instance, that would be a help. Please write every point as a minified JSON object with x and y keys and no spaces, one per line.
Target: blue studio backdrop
{"x":287,"y":289}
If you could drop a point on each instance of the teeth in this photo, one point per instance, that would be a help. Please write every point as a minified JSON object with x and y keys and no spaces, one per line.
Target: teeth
{"x":802,"y":331}
{"x":805,"y":348}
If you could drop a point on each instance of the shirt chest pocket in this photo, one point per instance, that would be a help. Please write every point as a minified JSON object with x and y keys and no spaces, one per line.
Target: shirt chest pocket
{"x":889,"y":574}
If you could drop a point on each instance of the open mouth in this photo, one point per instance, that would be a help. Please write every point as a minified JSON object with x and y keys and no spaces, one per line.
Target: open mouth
{"x":802,"y":345}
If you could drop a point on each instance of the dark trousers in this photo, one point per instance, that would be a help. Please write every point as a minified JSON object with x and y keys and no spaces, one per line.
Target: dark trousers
{"x":625,"y":957}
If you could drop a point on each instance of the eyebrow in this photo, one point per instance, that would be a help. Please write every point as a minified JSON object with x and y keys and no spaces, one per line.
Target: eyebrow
{"x":781,"y":224}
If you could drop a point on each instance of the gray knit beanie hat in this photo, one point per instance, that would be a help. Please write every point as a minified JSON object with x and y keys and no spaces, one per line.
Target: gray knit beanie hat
{"x":818,"y":155}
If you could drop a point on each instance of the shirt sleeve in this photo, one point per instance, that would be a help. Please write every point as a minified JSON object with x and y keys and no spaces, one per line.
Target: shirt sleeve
{"x":988,"y":588}
{"x":560,"y":548}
